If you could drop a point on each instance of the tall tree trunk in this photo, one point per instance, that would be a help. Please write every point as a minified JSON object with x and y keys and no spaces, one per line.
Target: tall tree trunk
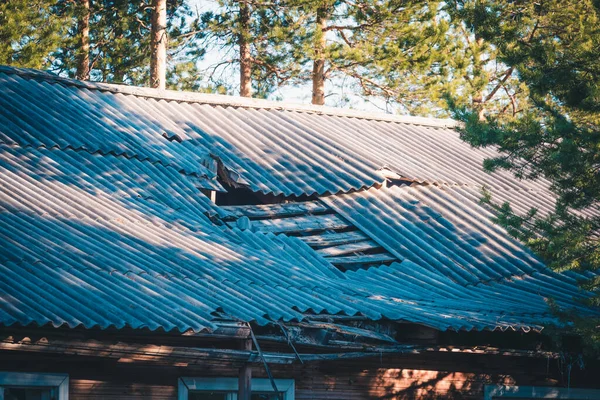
{"x":158,"y":58}
{"x":318,"y":75}
{"x":245,"y":60}
{"x":118,"y":75}
{"x":83,"y":54}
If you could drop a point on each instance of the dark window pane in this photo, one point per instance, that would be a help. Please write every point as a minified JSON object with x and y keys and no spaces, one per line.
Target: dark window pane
{"x":207,"y":396}
{"x":263,"y":396}
{"x":16,"y":393}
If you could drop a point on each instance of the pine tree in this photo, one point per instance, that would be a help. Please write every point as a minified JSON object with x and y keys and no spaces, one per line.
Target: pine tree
{"x":397,"y":50}
{"x":120,"y":40}
{"x":412,"y":54}
{"x":244,"y":38}
{"x":327,"y":45}
{"x":320,"y":43}
{"x":552,"y":46}
{"x":30,"y":30}
{"x":261,"y":38}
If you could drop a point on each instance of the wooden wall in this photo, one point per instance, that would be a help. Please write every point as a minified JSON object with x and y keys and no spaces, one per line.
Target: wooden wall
{"x":427,"y":376}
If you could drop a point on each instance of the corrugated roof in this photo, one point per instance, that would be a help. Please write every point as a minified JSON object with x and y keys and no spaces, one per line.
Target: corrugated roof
{"x":452,"y":254}
{"x":80,"y":251}
{"x":444,"y":229}
{"x":270,"y":147}
{"x":103,"y":222}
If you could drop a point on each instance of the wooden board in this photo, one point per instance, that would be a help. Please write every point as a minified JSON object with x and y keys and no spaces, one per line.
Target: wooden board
{"x":278,"y":210}
{"x":409,"y":377}
{"x":348,"y":248}
{"x":333,"y":239}
{"x":357,"y":260}
{"x":300,"y":224}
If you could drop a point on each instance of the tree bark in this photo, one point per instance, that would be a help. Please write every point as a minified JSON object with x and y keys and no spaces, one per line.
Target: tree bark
{"x":158,"y":59}
{"x":118,"y":76}
{"x":245,"y":59}
{"x":318,"y":75}
{"x":83,"y":54}
{"x":479,"y":100}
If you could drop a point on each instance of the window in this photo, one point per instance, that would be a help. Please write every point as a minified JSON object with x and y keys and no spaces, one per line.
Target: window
{"x":226,"y":389}
{"x":535,"y":392}
{"x":33,"y":386}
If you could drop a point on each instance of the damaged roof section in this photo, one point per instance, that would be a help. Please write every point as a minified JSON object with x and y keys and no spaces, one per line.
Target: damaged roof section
{"x":83,"y":249}
{"x":104,"y":225}
{"x":319,"y":226}
{"x":293,"y":151}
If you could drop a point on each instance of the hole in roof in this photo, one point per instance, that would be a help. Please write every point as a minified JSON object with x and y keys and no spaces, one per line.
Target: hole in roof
{"x":318,"y":226}
{"x":329,"y":234}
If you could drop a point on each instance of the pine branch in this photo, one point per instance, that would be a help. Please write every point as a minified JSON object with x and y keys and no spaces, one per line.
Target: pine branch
{"x":500,"y":84}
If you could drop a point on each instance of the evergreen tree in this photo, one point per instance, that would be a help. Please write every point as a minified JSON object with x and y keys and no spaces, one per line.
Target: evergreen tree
{"x":30,"y":30}
{"x":243,"y":38}
{"x":552,"y":46}
{"x":120,"y":39}
{"x":334,"y":45}
{"x":83,"y":31}
{"x":257,"y":38}
{"x":412,"y":54}
{"x":322,"y":15}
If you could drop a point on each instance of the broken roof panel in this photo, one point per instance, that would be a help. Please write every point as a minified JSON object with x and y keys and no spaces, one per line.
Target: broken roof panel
{"x":319,"y":226}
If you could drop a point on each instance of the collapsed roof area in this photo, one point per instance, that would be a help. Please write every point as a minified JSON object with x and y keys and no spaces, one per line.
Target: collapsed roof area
{"x":377,"y":218}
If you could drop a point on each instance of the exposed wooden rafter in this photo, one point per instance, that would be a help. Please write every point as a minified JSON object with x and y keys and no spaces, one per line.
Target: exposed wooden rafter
{"x":333,"y":237}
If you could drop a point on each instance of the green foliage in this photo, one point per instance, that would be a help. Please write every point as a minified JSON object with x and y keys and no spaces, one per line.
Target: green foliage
{"x":29,"y":32}
{"x":412,"y":54}
{"x":553,"y":48}
{"x":274,"y":33}
{"x":120,"y":39}
{"x":43,"y":34}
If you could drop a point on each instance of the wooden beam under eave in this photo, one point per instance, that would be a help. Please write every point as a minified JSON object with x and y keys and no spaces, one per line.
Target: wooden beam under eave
{"x":245,"y":376}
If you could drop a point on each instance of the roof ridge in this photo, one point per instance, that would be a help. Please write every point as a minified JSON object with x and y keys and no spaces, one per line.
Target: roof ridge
{"x":227,"y":101}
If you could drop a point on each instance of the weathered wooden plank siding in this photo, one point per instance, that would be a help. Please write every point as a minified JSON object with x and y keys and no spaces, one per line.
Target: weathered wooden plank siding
{"x":430,"y":376}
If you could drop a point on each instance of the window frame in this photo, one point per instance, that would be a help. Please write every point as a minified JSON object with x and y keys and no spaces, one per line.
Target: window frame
{"x":539,"y":392}
{"x":35,"y":379}
{"x":187,"y":384}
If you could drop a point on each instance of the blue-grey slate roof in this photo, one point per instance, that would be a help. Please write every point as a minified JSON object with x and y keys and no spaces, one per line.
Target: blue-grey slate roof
{"x":103,"y":223}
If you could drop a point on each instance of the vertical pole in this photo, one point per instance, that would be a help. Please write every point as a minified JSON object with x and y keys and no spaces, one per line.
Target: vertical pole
{"x":245,"y":377}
